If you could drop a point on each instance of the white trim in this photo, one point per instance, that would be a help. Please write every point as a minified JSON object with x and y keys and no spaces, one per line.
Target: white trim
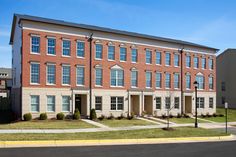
{"x":47,"y":46}
{"x":77,"y":49}
{"x":68,"y":65}
{"x":50,"y":84}
{"x":80,"y":66}
{"x":113,"y":40}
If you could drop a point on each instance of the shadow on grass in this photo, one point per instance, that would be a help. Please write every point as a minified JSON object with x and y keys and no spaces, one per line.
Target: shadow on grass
{"x":6,"y":116}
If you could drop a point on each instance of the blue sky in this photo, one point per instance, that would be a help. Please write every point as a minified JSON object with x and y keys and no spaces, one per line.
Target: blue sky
{"x":207,"y":22}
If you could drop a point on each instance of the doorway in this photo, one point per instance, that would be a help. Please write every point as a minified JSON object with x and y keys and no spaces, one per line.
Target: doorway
{"x":135,"y":104}
{"x":188,"y":104}
{"x":78,"y":102}
{"x":148,"y":104}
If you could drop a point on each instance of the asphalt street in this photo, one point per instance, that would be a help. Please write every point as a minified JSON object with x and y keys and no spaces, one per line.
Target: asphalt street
{"x":208,"y":149}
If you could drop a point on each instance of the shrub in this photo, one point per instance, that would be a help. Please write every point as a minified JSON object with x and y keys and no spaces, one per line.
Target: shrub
{"x":121,"y":116}
{"x":43,"y":116}
{"x":101,"y":117}
{"x":27,"y":117}
{"x":144,"y":113}
{"x":163,"y":116}
{"x":111,"y":117}
{"x":76,"y":115}
{"x":60,"y":116}
{"x":221,"y":115}
{"x":215,"y":115}
{"x":131,"y":116}
{"x":179,"y":115}
{"x":170,"y":115}
{"x":186,"y":116}
{"x":203,"y":115}
{"x":208,"y":115}
{"x":93,"y":115}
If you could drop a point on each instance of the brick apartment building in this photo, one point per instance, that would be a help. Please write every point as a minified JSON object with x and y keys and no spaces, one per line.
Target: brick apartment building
{"x":59,"y":66}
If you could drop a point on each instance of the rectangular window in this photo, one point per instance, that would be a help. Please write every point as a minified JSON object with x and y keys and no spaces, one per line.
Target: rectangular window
{"x":51,"y":46}
{"x":117,"y":103}
{"x":148,"y":57}
{"x":211,"y":102}
{"x":111,"y":52}
{"x":167,"y":103}
{"x":176,"y":80}
{"x":34,"y":103}
{"x":117,"y":77}
{"x":158,"y":102}
{"x":188,"y":81}
{"x":158,"y":58}
{"x":167,"y":81}
{"x":210,"y":64}
{"x":200,"y":80}
{"x":98,"y":103}
{"x":203,"y":63}
{"x":51,"y":72}
{"x":210,"y":82}
{"x":80,"y":75}
{"x":134,"y":78}
{"x":98,"y":72}
{"x":176,"y":60}
{"x":123,"y":54}
{"x":98,"y":54}
{"x":51,"y":103}
{"x":66,"y":47}
{"x":176,"y":102}
{"x":35,"y":44}
{"x":158,"y":80}
{"x":200,"y":102}
{"x":134,"y":55}
{"x":148,"y":79}
{"x":196,"y":65}
{"x":188,"y":61}
{"x":80,"y":49}
{"x":66,"y":75}
{"x":34,"y":69}
{"x":65,"y":103}
{"x":168,"y":60}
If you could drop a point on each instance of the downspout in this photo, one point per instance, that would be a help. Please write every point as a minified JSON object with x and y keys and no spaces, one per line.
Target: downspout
{"x":90,"y":72}
{"x":181,"y":80}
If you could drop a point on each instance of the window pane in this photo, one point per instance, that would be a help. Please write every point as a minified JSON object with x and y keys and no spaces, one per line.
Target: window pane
{"x":34,"y":73}
{"x":148,"y":79}
{"x":35,"y":42}
{"x":111,"y":52}
{"x":167,"y":81}
{"x":80,"y":49}
{"x":66,"y":47}
{"x":158,"y":80}
{"x":98,"y":103}
{"x":51,"y":70}
{"x":158,"y":58}
{"x":203,"y":63}
{"x":177,"y":102}
{"x":167,"y":102}
{"x":98,"y":51}
{"x":80,"y":75}
{"x":134,"y":55}
{"x":51,"y":46}
{"x":51,"y":103}
{"x":176,"y":60}
{"x":196,"y":62}
{"x":134,"y":78}
{"x":65,"y":75}
{"x":176,"y":81}
{"x":167,"y":58}
{"x":148,"y":57}
{"x":188,"y":61}
{"x":35,"y":103}
{"x":65,"y":103}
{"x":188,"y":81}
{"x":113,"y":103}
{"x":123,"y":54}
{"x":158,"y":102}
{"x":98,"y":76}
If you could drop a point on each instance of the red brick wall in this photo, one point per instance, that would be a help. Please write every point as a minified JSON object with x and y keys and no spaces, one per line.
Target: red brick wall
{"x":43,"y":58}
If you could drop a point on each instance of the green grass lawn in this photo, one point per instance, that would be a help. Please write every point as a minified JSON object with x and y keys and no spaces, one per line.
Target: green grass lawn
{"x":47,"y":124}
{"x":231,"y":115}
{"x":130,"y":134}
{"x":185,"y":120}
{"x":125,"y":122}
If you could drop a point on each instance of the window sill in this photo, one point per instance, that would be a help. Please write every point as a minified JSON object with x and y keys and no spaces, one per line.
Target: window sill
{"x":134,"y":62}
{"x":66,"y":56}
{"x":51,"y":84}
{"x":66,"y":85}
{"x":111,"y":60}
{"x":98,"y":59}
{"x":54,"y":55}
{"x":117,"y":86}
{"x":35,"y":53}
{"x":122,"y":61}
{"x":80,"y":57}
{"x":116,"y":110}
{"x":35,"y":84}
{"x":100,"y":86}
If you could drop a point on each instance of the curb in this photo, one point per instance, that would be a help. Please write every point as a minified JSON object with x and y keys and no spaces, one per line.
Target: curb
{"x":60,"y":143}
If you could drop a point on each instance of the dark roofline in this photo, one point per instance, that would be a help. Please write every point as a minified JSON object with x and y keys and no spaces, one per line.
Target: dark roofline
{"x":97,"y":28}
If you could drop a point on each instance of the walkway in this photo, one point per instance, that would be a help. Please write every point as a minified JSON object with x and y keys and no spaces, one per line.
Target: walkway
{"x":102,"y":127}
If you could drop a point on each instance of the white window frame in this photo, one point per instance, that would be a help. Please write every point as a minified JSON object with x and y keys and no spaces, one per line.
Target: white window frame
{"x":169,"y":81}
{"x":136,"y":79}
{"x":65,"y":65}
{"x":96,"y":103}
{"x":175,"y":60}
{"x":117,"y":77}
{"x":125,"y":54}
{"x":98,"y":68}
{"x":50,"y":64}
{"x":63,"y":104}
{"x":51,"y":46}
{"x":136,"y":52}
{"x":51,"y":104}
{"x":177,"y":74}
{"x":160,"y":58}
{"x":34,"y":104}
{"x":169,"y":64}
{"x":160,"y":80}
{"x":116,"y":103}
{"x":96,"y":51}
{"x":149,"y":58}
{"x":79,"y":41}
{"x":188,"y":66}
{"x":31,"y":52}
{"x":79,"y":66}
{"x":66,"y":48}
{"x":150,"y":72}
{"x":199,"y":102}
{"x":108,"y":53}
{"x":31,"y":73}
